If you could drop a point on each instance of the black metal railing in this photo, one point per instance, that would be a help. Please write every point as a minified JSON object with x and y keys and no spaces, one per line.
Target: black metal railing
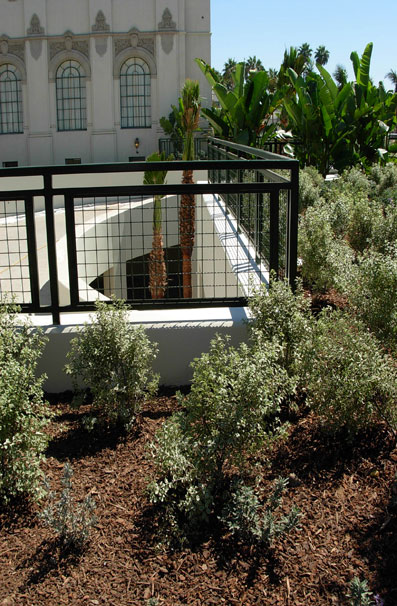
{"x":169,"y":146}
{"x":67,"y":237}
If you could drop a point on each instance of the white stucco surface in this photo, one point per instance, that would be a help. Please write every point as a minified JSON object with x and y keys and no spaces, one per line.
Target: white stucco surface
{"x":36,"y":36}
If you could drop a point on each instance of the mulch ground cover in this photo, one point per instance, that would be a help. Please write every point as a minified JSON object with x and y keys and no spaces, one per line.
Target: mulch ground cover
{"x":346,"y":492}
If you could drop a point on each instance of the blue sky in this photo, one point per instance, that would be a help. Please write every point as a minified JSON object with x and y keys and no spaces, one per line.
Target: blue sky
{"x":241,"y":28}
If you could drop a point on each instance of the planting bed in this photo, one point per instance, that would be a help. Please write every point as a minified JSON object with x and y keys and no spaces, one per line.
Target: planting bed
{"x":345,"y":491}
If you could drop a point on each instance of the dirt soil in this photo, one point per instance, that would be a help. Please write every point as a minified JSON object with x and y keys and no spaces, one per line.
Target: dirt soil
{"x":346,"y":492}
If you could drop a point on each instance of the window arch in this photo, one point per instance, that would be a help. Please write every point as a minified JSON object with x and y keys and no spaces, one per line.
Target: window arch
{"x":135,"y":96}
{"x":71,"y":96}
{"x":11,"y":115}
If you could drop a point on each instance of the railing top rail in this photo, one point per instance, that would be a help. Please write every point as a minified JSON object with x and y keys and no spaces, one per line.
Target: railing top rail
{"x":253,"y":151}
{"x":175,"y":165}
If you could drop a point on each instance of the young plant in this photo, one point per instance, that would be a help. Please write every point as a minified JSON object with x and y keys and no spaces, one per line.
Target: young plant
{"x":359,"y":594}
{"x":23,"y":412}
{"x":71,"y":522}
{"x":242,"y":514}
{"x":115,"y":361}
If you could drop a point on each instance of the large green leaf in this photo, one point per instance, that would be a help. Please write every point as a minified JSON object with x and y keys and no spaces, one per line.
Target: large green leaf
{"x":219,"y":122}
{"x":363,"y":71}
{"x":332,"y":87}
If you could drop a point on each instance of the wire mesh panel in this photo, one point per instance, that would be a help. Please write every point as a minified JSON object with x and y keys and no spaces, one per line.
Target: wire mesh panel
{"x":14,"y":258}
{"x":11,"y":120}
{"x":122,"y":249}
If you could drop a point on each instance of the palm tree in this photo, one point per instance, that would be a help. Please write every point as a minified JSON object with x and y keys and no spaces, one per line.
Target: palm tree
{"x":321,"y":55}
{"x":340,"y":75}
{"x":273,"y":79}
{"x":305,"y":51}
{"x":228,"y":69}
{"x":157,"y":267}
{"x":252,"y":64}
{"x":190,"y":106}
{"x":392,"y":75}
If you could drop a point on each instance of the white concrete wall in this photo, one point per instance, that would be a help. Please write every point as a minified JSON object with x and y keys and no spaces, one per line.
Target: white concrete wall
{"x":181,"y":335}
{"x":171,"y":53}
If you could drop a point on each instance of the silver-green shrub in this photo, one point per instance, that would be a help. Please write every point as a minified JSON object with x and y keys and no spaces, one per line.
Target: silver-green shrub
{"x":114,"y":360}
{"x":384,"y":232}
{"x":24,"y":414}
{"x":383,"y":178}
{"x":324,"y":256}
{"x":71,"y":521}
{"x":353,"y":179}
{"x":244,"y":516}
{"x":281,"y":315}
{"x":311,"y":187}
{"x":350,"y":380}
{"x":372,"y":293}
{"x":228,"y":414}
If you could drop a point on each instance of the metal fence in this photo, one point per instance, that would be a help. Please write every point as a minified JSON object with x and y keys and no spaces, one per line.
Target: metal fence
{"x":72,"y":234}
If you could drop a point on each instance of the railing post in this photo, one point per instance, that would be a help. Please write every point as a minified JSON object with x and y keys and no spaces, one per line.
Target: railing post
{"x":292,"y":228}
{"x":259,"y":220}
{"x":51,"y":246}
{"x":72,"y":254}
{"x":32,"y":253}
{"x":274,"y":232}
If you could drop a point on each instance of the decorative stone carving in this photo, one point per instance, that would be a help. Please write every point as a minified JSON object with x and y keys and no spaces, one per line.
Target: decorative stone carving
{"x":101,"y":45}
{"x":4,"y":46}
{"x":121,"y":44}
{"x":100,"y":24}
{"x":166,"y":22}
{"x":12,"y":47}
{"x":135,"y":40}
{"x":35,"y":28}
{"x":167,"y":28}
{"x":69,"y":43}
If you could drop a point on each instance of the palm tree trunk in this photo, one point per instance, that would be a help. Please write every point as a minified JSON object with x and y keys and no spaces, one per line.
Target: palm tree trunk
{"x":157,"y":268}
{"x":186,"y":234}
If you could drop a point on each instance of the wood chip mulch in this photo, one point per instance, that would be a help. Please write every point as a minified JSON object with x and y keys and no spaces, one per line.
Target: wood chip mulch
{"x":346,"y":492}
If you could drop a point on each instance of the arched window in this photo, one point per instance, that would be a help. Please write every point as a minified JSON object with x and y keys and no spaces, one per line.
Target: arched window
{"x":11,"y":117}
{"x":71,"y":96}
{"x":135,"y":103}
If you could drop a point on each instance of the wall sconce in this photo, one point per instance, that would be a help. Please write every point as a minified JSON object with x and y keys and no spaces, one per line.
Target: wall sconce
{"x":136,"y":144}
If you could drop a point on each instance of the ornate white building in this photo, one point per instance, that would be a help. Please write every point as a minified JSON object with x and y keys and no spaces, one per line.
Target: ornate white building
{"x":88,"y":80}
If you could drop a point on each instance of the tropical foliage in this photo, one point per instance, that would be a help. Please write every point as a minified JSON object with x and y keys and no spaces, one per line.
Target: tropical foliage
{"x":245,"y":110}
{"x":340,"y":126}
{"x":335,"y":123}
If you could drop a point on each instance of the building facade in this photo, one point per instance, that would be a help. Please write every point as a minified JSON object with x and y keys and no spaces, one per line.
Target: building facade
{"x":88,"y":80}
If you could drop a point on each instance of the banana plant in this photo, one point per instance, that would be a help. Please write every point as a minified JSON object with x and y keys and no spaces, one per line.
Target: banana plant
{"x":157,"y":266}
{"x":315,"y":119}
{"x":245,"y":111}
{"x":372,"y":111}
{"x":339,"y":126}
